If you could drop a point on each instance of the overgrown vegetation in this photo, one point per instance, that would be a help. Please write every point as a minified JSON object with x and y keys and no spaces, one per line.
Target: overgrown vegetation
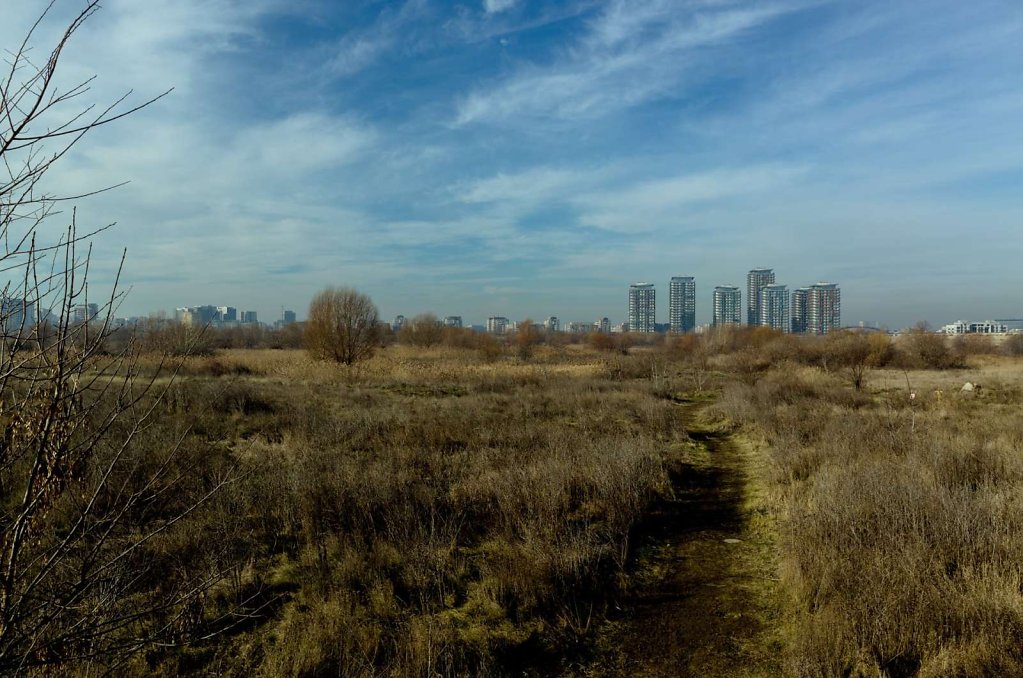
{"x":902,"y":514}
{"x":434,"y":514}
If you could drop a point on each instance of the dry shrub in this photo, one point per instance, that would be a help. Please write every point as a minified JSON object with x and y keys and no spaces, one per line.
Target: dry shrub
{"x":927,"y":350}
{"x":1013,"y":345}
{"x":903,"y":530}
{"x":974,"y":345}
{"x":424,"y":330}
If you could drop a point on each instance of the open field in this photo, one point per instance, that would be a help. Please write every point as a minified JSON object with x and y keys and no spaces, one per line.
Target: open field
{"x":455,"y":511}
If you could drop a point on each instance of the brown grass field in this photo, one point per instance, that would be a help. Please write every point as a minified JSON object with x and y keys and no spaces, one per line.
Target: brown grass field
{"x":452,"y":511}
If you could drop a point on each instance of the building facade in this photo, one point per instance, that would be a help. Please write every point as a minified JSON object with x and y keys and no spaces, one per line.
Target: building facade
{"x":682,"y":304}
{"x":497,"y":324}
{"x":84,"y":313}
{"x":249,"y":317}
{"x":774,"y":308}
{"x":642,"y":308}
{"x":800,"y":310}
{"x":982,"y":327}
{"x":453,"y":321}
{"x":756,"y":280}
{"x":17,"y":317}
{"x":603,"y":326}
{"x":824,"y":308}
{"x":552,"y":324}
{"x":727,"y":306}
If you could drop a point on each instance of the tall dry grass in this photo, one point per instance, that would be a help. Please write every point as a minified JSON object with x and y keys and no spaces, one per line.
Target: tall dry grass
{"x":902,"y":524}
{"x":428,"y":512}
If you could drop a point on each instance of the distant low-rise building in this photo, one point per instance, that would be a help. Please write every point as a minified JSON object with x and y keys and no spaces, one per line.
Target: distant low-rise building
{"x":982,"y":327}
{"x":453,"y":321}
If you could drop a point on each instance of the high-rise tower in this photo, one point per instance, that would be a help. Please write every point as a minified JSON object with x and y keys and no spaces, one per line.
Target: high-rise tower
{"x":756,"y":280}
{"x":774,"y":308}
{"x":799,"y":309}
{"x":824,"y":308}
{"x":682,"y":304}
{"x":642,"y":307}
{"x":727,"y":305}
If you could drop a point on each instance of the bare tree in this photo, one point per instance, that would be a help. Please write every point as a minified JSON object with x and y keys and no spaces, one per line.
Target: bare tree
{"x":343,"y":326}
{"x":84,"y":494}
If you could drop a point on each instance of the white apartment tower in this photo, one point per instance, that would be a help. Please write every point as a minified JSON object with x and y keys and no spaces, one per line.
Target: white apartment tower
{"x":682,"y":304}
{"x":756,"y":280}
{"x":824,"y":308}
{"x":642,"y":307}
{"x":727,"y":306}
{"x":774,"y":308}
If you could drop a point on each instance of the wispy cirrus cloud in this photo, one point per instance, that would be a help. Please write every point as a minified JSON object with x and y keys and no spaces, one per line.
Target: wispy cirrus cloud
{"x":633,"y":52}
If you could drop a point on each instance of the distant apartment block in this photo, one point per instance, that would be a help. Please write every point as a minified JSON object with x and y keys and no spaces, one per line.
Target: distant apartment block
{"x":756,"y":280}
{"x":288,"y":318}
{"x":774,"y":308}
{"x":497,"y":324}
{"x":682,"y":304}
{"x":249,"y":317}
{"x":578,"y":327}
{"x":552,"y":324}
{"x":982,"y":327}
{"x":399,"y":322}
{"x":84,"y":313}
{"x":642,"y":308}
{"x":603,"y":326}
{"x":17,"y":317}
{"x":727,"y":306}
{"x":800,"y":310}
{"x":204,"y":315}
{"x":453,"y":321}
{"x":824,"y":308}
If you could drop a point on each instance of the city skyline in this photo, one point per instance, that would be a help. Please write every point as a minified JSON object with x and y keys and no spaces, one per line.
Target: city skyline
{"x":441,"y":157}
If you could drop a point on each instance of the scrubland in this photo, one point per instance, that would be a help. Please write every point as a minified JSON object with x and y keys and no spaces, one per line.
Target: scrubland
{"x":468,"y":508}
{"x":427,"y":512}
{"x":900,"y":509}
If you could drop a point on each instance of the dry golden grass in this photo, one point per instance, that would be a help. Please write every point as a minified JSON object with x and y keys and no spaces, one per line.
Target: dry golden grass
{"x":901,"y":521}
{"x":425,"y":512}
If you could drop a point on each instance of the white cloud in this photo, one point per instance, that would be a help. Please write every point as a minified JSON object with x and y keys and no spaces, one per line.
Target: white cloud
{"x":634,"y":52}
{"x":497,"y":6}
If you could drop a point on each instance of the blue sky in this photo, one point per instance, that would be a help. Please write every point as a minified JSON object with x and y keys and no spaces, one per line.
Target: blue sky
{"x":523,"y":158}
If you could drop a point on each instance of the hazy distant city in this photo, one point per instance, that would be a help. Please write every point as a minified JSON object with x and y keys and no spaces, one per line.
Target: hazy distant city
{"x":814,"y":309}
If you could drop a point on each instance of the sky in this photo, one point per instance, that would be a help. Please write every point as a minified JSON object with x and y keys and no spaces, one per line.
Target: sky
{"x":525,"y":158}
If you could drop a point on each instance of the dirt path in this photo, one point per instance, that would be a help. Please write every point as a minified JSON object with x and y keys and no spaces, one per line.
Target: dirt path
{"x":706,"y":599}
